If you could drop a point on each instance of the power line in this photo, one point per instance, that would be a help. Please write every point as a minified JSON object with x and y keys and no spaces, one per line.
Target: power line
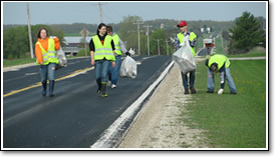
{"x":114,"y":11}
{"x":100,"y":10}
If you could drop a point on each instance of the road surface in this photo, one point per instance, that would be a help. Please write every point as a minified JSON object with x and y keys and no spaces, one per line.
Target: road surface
{"x":76,"y":117}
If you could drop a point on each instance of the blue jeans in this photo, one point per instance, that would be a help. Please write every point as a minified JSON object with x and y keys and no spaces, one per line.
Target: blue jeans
{"x":227,"y":76}
{"x":191,"y":79}
{"x":101,"y":69}
{"x":47,"y":71}
{"x":114,"y":71}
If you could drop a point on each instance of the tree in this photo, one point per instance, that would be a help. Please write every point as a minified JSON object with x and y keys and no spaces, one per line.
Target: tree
{"x":161,"y":35}
{"x":246,"y":34}
{"x":15,"y":42}
{"x":128,"y":33}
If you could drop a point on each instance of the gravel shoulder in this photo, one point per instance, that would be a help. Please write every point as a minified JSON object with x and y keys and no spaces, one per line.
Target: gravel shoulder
{"x":160,"y":124}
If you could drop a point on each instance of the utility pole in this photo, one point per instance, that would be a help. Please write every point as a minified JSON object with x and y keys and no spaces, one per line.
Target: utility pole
{"x":100,"y":10}
{"x":29,"y":30}
{"x":158,"y":40}
{"x":147,"y":34}
{"x":167,"y":53}
{"x":138,"y":23}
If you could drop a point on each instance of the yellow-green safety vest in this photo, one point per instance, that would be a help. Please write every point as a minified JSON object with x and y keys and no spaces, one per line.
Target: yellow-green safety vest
{"x":117,"y":44}
{"x":48,"y":56}
{"x":105,"y":50}
{"x":192,"y":36}
{"x":220,"y":60}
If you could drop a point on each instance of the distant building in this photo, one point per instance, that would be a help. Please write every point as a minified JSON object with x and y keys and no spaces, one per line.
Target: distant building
{"x":162,"y":26}
{"x":202,"y":30}
{"x":74,"y":41}
{"x":208,"y":30}
{"x":72,"y":45}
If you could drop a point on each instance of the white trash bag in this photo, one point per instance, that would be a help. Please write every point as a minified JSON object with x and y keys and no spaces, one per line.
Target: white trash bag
{"x":128,"y":68}
{"x":184,"y":59}
{"x":62,"y":59}
{"x":60,"y":55}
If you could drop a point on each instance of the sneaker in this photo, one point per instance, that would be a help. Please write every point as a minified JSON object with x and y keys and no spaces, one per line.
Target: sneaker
{"x":186,"y":91}
{"x":210,"y":91}
{"x":193,"y":91}
{"x":234,"y":93}
{"x":104,"y":95}
{"x":113,"y":86}
{"x":98,"y":91}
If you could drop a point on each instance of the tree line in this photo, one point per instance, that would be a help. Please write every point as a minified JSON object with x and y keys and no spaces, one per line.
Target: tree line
{"x":16,"y":44}
{"x":16,"y":40}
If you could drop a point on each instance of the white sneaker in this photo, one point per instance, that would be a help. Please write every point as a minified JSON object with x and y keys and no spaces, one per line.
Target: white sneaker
{"x":113,"y":86}
{"x":220,"y":91}
{"x":109,"y":83}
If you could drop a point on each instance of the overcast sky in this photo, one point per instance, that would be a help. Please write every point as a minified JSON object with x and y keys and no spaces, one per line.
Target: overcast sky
{"x":113,"y":12}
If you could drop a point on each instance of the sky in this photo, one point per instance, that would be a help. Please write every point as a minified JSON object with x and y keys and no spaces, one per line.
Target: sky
{"x":114,"y":12}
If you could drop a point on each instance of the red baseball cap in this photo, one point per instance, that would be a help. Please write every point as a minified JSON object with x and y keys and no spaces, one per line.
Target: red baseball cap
{"x":182,"y":23}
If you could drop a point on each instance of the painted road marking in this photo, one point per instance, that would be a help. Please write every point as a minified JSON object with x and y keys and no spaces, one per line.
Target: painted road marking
{"x":111,"y":137}
{"x":75,"y":73}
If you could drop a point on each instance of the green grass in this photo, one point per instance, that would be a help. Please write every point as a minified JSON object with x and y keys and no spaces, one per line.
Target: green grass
{"x":250,"y":54}
{"x":232,"y":121}
{"x":13,"y":62}
{"x":218,"y":45}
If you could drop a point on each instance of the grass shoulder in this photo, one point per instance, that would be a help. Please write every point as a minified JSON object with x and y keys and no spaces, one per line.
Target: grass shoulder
{"x":232,"y":121}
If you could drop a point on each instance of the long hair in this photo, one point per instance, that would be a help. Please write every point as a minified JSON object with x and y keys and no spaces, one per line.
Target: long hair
{"x":38,"y":36}
{"x":99,"y":27}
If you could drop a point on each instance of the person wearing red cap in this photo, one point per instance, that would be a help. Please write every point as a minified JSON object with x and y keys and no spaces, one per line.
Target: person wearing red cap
{"x":179,"y":42}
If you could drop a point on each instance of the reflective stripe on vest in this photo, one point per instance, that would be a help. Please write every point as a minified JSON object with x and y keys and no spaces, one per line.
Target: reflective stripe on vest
{"x":48,"y":56}
{"x":116,"y":44}
{"x":220,"y":60}
{"x":103,"y":51}
{"x":192,"y":36}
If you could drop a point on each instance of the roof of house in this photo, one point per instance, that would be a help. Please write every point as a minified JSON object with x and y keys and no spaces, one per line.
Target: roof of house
{"x":71,"y":39}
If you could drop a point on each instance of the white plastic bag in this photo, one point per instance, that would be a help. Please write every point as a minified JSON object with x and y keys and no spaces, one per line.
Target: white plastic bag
{"x":184,"y":59}
{"x":62,"y":58}
{"x":128,"y":68}
{"x":60,"y":55}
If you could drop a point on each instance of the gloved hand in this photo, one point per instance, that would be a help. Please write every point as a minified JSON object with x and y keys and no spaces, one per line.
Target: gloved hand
{"x":127,"y":54}
{"x":183,"y":43}
{"x":52,"y":37}
{"x":220,"y":91}
{"x":131,"y":51}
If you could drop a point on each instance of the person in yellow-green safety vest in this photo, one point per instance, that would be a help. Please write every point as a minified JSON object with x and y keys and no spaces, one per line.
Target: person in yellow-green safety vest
{"x":220,"y":63}
{"x":102,"y":54}
{"x":113,"y":74}
{"x":45,"y":51}
{"x":179,"y":42}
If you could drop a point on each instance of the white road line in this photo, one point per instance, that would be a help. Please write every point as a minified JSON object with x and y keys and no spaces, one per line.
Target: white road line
{"x":110,"y":136}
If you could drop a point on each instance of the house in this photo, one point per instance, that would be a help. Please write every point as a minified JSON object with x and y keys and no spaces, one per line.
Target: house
{"x":72,"y":45}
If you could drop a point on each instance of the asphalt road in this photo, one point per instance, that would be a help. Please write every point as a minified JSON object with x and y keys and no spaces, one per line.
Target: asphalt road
{"x":76,"y":117}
